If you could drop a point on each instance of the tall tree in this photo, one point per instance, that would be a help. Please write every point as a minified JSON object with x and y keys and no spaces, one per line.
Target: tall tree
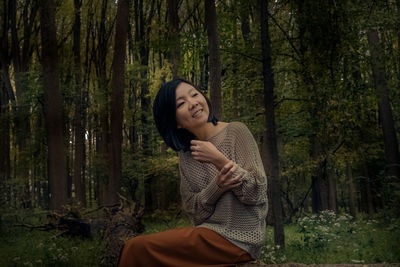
{"x":79,"y":116}
{"x":6,"y":95}
{"x":117,"y":103}
{"x":271,"y":157}
{"x":100,"y":58}
{"x":57,"y":167}
{"x":385,"y":110}
{"x":143,"y":17}
{"x":214,"y":61}
{"x":5,"y":134}
{"x":175,"y":51}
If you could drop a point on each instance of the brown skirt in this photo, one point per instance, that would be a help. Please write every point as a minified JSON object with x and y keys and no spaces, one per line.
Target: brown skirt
{"x":182,"y":247}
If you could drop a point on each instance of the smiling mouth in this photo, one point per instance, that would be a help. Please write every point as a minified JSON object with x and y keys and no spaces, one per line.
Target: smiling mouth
{"x":197,"y":113}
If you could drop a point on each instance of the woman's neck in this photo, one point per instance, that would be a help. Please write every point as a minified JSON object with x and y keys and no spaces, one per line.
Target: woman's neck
{"x":208,"y":130}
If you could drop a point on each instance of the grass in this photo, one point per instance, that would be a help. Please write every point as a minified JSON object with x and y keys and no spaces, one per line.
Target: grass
{"x":37,"y":248}
{"x":323,"y":238}
{"x":332,"y":239}
{"x":20,"y":246}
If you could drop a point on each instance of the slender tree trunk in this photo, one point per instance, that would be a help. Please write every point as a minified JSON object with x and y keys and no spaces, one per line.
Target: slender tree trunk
{"x":332,"y":193}
{"x":366,"y":194}
{"x":271,"y":148}
{"x":53,"y":107}
{"x":141,"y":36}
{"x":385,"y":110}
{"x":103,"y":136}
{"x":351,"y":190}
{"x":320,"y":187}
{"x":6,"y":97}
{"x":214,"y":57}
{"x":79,"y":116}
{"x":117,"y":103}
{"x":244,"y":20}
{"x":175,"y":51}
{"x":5,"y":134}
{"x":398,"y":44}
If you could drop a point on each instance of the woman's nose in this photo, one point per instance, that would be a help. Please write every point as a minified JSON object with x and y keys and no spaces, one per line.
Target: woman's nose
{"x":192,"y":103}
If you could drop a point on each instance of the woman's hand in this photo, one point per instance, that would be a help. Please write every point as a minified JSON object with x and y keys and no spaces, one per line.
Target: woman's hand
{"x":225,"y":179}
{"x":204,"y":151}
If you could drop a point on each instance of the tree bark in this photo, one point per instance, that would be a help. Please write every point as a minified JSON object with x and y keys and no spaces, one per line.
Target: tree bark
{"x":79,"y":116}
{"x":175,"y":51}
{"x":244,"y":20}
{"x":143,"y":27}
{"x":271,"y":158}
{"x":365,"y":186}
{"x":5,"y":166}
{"x":117,"y":103}
{"x":6,"y":97}
{"x":351,"y":190}
{"x":398,"y":43}
{"x":102,"y":139}
{"x":332,"y":192}
{"x":214,"y":57}
{"x":385,"y":110}
{"x":57,"y":168}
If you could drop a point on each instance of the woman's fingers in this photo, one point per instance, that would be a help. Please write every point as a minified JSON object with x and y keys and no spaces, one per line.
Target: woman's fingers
{"x":226,"y":168}
{"x":226,"y":180}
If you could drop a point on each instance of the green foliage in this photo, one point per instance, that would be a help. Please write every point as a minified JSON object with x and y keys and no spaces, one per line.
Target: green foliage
{"x":20,"y":246}
{"x":163,"y":170}
{"x":327,"y":238}
{"x":162,"y":220}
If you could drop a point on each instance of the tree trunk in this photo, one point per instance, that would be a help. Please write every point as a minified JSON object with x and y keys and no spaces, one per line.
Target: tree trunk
{"x":271,"y":160}
{"x":398,"y":44}
{"x":244,"y":20}
{"x":366,"y":194}
{"x":175,"y":51}
{"x":57,"y":168}
{"x":103,"y":137}
{"x":117,"y":103}
{"x":214,"y":57}
{"x":332,"y":193}
{"x":351,"y":190}
{"x":385,"y":110}
{"x":79,"y":116}
{"x":320,"y":186}
{"x":6,"y":97}
{"x":143,"y":27}
{"x":5,"y":134}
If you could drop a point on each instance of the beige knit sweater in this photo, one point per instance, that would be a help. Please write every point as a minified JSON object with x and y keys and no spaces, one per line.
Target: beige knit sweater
{"x":238,"y":215}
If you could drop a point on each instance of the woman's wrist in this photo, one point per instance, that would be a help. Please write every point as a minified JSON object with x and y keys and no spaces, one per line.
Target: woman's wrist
{"x":221,"y":162}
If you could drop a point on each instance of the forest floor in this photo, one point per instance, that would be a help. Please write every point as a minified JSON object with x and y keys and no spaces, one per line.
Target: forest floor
{"x":312,"y":240}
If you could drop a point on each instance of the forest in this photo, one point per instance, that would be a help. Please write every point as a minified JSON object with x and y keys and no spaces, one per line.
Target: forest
{"x":316,"y":82}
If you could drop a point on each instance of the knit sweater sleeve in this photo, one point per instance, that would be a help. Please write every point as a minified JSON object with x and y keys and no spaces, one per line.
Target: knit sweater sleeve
{"x":246,"y":155}
{"x":198,"y":203}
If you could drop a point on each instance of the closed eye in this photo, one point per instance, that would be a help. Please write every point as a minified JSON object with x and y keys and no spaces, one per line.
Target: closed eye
{"x":195,"y":94}
{"x":180,"y":104}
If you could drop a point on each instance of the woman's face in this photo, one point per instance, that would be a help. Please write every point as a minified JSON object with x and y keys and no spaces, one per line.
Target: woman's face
{"x":191,"y":107}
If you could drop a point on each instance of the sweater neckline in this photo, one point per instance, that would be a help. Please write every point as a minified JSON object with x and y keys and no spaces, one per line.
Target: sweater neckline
{"x":219,"y":132}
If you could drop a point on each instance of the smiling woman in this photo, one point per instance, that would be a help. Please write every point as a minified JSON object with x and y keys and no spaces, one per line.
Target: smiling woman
{"x":223,"y":187}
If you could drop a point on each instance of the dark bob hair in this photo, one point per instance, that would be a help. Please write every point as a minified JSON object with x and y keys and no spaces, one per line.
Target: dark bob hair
{"x":164,"y":112}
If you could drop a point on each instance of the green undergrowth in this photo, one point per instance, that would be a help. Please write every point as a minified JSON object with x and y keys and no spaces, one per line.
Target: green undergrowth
{"x":39,"y":248}
{"x":21,"y":245}
{"x":332,"y":239}
{"x":322,"y":239}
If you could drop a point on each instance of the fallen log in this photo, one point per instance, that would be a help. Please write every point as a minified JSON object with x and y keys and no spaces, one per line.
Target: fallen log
{"x":124,"y":223}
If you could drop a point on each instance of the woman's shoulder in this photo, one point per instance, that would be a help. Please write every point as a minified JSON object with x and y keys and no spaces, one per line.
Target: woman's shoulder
{"x":237,"y":127}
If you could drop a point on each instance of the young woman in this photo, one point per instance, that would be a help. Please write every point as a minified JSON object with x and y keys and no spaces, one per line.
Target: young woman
{"x":223,"y":187}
